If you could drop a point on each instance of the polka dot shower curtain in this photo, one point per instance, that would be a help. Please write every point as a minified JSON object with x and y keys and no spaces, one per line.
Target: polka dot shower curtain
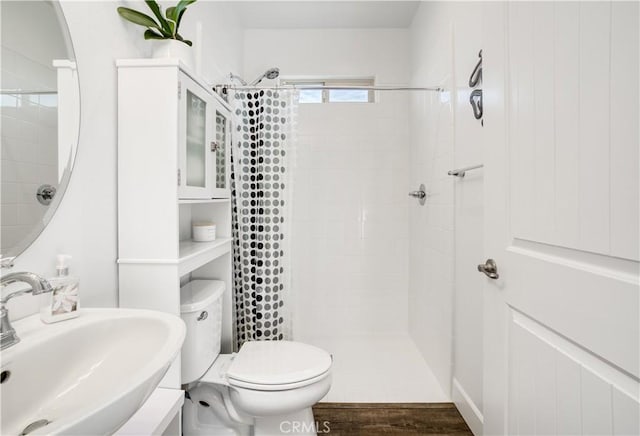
{"x":261,"y":152}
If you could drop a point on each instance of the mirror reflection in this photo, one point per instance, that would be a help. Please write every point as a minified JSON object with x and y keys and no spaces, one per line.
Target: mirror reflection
{"x":39,"y":107}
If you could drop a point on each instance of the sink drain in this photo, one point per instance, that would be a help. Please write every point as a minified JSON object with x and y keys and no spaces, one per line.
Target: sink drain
{"x":4,"y":376}
{"x":35,"y":425}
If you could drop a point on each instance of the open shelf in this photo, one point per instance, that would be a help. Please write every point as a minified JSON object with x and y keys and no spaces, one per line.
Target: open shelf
{"x":195,"y":254}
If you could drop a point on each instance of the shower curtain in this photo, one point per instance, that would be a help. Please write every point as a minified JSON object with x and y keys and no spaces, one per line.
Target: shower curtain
{"x":260,"y":193}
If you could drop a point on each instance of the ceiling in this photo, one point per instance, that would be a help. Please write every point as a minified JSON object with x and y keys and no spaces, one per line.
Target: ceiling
{"x":325,"y":14}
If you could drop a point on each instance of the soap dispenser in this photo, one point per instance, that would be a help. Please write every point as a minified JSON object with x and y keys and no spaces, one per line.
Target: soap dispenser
{"x":63,"y":302}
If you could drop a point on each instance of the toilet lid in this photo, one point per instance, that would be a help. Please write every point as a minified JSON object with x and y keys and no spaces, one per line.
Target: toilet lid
{"x":278,"y":362}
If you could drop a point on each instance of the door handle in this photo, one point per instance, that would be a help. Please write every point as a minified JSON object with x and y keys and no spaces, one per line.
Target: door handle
{"x":489,"y":268}
{"x":420,"y":194}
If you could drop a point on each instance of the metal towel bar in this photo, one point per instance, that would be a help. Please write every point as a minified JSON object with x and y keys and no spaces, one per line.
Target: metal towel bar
{"x":460,"y":172}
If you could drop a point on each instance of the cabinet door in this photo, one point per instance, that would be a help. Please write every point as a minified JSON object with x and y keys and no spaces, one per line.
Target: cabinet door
{"x":222,"y":140}
{"x":197,"y":167}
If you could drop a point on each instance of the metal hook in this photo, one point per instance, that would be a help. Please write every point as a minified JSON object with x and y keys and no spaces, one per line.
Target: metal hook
{"x":476,"y":75}
{"x":475,"y":98}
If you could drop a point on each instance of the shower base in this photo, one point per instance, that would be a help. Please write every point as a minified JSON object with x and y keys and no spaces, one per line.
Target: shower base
{"x":375,"y":369}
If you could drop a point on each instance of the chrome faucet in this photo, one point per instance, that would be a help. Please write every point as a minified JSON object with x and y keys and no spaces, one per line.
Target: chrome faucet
{"x":8,"y":336}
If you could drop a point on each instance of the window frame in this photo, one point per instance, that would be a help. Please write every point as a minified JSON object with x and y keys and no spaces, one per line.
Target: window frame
{"x":342,"y":82}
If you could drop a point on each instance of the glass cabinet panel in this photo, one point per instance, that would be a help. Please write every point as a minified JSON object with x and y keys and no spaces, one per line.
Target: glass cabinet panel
{"x":221,"y":156}
{"x":196,"y":162}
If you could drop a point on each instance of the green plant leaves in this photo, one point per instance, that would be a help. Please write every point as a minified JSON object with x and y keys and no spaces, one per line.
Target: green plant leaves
{"x":137,"y":17}
{"x":186,"y":41}
{"x":152,"y":34}
{"x":180,"y":8}
{"x":171,"y":14}
{"x":164,"y":28}
{"x":155,"y":8}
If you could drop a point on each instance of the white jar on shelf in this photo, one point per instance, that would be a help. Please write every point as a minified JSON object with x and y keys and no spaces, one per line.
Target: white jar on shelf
{"x":203,"y":231}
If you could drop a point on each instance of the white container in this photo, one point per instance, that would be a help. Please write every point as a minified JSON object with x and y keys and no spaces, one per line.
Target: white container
{"x":172,"y":48}
{"x":201,"y":311}
{"x":203,"y":231}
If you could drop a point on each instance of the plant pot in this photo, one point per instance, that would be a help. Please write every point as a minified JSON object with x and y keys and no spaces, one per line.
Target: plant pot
{"x":172,"y":48}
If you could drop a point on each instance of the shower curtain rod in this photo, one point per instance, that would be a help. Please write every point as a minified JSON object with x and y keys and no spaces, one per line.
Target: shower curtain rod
{"x":21,"y":91}
{"x":334,"y":87}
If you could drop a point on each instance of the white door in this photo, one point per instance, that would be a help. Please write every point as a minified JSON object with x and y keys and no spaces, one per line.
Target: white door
{"x":196,"y":152}
{"x":561,"y":334}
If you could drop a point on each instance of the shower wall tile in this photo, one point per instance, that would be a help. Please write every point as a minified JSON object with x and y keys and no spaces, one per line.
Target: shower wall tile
{"x":29,"y":138}
{"x":350,"y":183}
{"x":431,"y":254}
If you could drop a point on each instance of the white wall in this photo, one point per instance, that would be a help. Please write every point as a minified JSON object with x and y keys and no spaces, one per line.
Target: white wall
{"x":85,"y":224}
{"x":431,"y":226}
{"x":469,"y":223}
{"x":445,"y":290}
{"x":350,"y":240}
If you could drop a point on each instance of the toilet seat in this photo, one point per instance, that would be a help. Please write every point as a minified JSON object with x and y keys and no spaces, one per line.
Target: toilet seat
{"x":277,"y":363}
{"x":277,"y":387}
{"x":270,"y":366}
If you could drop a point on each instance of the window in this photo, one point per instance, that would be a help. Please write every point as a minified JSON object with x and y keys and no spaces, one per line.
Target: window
{"x":342,"y":93}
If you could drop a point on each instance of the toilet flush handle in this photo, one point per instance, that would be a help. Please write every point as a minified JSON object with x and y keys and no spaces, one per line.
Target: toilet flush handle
{"x":203,"y":315}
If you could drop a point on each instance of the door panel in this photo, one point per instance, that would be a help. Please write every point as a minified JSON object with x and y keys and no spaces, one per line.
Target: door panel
{"x":577,"y":297}
{"x":566,"y":122}
{"x":573,"y":131}
{"x":562,"y":335}
{"x":625,"y":88}
{"x":557,"y":387}
{"x":569,"y":421}
{"x":593,"y":155}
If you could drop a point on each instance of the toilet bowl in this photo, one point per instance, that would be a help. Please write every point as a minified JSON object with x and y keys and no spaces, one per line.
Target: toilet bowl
{"x":266,"y":388}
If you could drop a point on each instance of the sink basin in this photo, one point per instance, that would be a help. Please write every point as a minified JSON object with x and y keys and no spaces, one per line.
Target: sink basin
{"x":84,"y":376}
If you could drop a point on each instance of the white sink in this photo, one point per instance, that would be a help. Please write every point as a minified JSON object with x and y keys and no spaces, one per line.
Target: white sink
{"x":88,"y":375}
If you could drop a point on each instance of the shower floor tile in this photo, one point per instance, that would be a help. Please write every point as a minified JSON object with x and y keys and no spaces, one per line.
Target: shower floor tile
{"x":378,"y":369}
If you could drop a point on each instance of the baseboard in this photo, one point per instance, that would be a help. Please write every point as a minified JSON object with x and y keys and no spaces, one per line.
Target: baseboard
{"x":467,"y":408}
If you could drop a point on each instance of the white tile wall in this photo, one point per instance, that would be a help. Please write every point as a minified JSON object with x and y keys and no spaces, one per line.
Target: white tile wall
{"x":431,"y":254}
{"x":350,"y":230}
{"x":445,"y":290}
{"x":351,"y":213}
{"x":29,"y":134}
{"x":350,"y":182}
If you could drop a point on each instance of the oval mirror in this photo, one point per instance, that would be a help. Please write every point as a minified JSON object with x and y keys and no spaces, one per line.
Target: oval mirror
{"x":40,"y":111}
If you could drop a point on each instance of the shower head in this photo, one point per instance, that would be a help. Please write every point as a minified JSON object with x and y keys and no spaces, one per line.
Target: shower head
{"x":270,"y":74}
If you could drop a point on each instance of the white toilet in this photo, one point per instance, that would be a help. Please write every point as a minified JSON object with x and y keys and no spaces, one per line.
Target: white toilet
{"x":266,"y":388}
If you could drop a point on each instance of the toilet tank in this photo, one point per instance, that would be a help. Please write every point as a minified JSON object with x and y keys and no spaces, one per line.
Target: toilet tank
{"x":201,"y":311}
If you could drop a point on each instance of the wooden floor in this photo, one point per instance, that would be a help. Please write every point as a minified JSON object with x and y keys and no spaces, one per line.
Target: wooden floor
{"x":370,"y":419}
